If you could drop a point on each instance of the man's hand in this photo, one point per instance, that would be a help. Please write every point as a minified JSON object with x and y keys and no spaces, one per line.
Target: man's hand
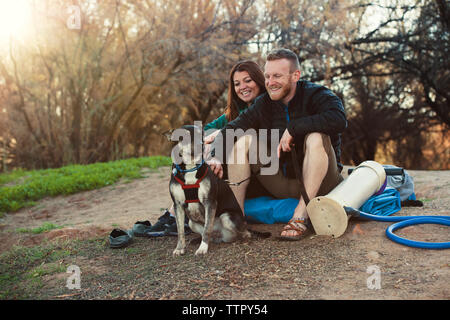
{"x":285,"y":143}
{"x":216,"y":167}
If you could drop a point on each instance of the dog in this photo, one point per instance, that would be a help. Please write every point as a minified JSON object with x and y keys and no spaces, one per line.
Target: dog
{"x":207,"y":200}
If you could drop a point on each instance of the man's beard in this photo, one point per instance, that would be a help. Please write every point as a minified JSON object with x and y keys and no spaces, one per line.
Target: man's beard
{"x":280,"y":94}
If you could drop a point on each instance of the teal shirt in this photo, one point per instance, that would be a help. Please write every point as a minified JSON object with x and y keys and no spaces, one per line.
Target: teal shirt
{"x":219,"y":123}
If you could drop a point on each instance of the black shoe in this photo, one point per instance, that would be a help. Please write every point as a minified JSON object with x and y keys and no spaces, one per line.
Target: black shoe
{"x":140,"y":227}
{"x":172,"y":230}
{"x":120,"y":238}
{"x":157,"y":230}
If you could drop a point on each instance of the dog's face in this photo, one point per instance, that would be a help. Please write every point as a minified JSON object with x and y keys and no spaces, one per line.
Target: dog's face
{"x":188,"y":146}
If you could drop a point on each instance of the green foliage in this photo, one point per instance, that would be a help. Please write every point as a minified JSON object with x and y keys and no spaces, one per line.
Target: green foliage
{"x":11,"y":176}
{"x":71,"y":179}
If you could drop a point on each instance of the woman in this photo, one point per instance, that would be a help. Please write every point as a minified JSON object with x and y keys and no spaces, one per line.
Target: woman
{"x":245,"y":83}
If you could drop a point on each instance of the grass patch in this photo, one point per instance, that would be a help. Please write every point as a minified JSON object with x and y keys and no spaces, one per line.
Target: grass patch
{"x":23,"y":270}
{"x":12,"y":176}
{"x":45,"y":269}
{"x":47,"y":226}
{"x":37,"y":184}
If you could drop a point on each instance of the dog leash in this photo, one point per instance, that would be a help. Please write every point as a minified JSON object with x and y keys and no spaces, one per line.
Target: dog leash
{"x":298,"y":172}
{"x":235,"y":184}
{"x":299,"y":175}
{"x":251,"y":175}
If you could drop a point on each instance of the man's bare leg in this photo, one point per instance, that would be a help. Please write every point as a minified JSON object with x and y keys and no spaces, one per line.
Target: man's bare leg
{"x":315,"y":166}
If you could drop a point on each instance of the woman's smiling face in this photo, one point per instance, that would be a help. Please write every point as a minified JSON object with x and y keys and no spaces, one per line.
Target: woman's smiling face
{"x":246,"y":89}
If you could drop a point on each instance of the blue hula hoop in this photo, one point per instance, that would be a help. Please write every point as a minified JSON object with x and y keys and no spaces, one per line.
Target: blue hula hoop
{"x":404,"y":221}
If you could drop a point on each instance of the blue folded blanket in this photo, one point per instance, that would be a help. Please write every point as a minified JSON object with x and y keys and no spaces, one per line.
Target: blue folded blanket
{"x":270,"y":210}
{"x":384,"y":204}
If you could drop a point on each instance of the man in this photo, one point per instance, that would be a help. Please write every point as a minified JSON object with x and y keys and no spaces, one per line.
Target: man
{"x":310,"y":118}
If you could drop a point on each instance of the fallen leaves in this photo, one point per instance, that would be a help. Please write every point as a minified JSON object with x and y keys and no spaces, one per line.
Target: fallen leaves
{"x":357,"y":230}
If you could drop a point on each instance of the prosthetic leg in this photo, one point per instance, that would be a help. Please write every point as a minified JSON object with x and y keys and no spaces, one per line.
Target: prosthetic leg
{"x":327,"y":213}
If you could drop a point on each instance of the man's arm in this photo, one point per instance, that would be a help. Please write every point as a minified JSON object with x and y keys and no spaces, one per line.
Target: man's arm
{"x":328,"y":116}
{"x":249,"y":118}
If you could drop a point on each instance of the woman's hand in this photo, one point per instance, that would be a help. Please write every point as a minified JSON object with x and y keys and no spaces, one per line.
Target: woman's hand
{"x":207,"y":143}
{"x":210,"y":138}
{"x":216,"y":167}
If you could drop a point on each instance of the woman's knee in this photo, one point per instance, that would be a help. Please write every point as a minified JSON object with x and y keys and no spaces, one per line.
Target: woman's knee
{"x":244,"y":142}
{"x":241,"y":149}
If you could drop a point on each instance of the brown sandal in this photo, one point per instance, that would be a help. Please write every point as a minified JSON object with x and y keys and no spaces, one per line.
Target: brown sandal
{"x":297,"y":225}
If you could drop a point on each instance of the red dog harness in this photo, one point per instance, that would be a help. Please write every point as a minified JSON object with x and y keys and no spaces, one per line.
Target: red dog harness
{"x":191,"y":190}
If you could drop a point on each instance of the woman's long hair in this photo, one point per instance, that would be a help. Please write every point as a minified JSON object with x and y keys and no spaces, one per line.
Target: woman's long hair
{"x":234,"y":104}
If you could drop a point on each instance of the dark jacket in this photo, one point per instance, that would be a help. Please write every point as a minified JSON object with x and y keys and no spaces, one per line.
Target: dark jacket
{"x":314,"y":108}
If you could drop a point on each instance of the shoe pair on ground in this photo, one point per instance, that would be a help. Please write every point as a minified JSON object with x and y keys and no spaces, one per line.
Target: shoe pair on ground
{"x":165,"y":226}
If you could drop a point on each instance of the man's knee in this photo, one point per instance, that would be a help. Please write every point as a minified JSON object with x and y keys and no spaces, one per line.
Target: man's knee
{"x":315,"y":141}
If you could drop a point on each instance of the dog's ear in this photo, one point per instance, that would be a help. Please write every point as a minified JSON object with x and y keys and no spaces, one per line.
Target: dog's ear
{"x":168,"y":134}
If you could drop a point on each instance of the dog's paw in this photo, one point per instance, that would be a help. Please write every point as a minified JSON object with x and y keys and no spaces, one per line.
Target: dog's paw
{"x":203,"y":249}
{"x":178,"y":252}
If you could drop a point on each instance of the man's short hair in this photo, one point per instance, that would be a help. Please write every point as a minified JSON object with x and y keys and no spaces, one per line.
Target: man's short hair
{"x":284,"y":53}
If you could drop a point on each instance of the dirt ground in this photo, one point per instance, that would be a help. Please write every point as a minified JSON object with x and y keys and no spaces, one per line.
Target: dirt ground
{"x":317,"y":267}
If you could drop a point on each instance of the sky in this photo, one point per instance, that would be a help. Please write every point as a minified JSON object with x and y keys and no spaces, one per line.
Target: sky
{"x":18,"y":24}
{"x":16,"y":19}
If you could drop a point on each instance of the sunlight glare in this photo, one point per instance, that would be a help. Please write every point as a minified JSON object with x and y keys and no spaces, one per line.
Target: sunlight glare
{"x":15,"y":18}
